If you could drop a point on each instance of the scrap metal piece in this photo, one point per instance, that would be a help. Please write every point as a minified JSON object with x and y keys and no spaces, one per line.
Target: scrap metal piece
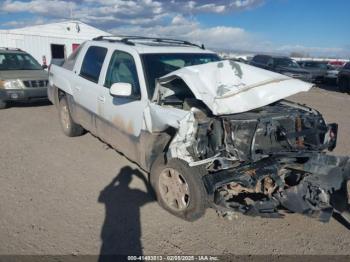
{"x":321,"y":188}
{"x":307,"y":199}
{"x":158,"y":118}
{"x":184,"y":138}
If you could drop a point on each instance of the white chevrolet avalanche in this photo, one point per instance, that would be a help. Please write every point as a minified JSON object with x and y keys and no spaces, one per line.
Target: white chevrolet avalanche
{"x":210,"y":132}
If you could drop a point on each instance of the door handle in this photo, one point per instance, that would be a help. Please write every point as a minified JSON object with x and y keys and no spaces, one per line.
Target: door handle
{"x":78,"y":88}
{"x":101,"y":98}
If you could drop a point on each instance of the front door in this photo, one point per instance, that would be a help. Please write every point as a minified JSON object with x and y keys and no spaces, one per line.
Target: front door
{"x":122,"y":117}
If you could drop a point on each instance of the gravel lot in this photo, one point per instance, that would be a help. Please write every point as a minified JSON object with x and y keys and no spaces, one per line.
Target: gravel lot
{"x":56,"y":198}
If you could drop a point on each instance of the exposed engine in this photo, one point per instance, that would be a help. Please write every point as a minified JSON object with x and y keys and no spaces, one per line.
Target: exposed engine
{"x":262,"y":160}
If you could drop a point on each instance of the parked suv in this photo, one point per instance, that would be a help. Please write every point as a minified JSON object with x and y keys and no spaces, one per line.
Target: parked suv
{"x":211,"y":133}
{"x":344,"y":78}
{"x":283,"y":65}
{"x":318,"y":69}
{"x":21,"y":77}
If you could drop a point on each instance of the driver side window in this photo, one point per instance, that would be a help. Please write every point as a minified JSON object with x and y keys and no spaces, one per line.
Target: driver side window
{"x":270,"y":62}
{"x":122,"y":69}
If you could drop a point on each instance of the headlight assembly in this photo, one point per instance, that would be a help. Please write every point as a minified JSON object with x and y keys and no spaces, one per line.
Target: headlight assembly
{"x":12,"y":84}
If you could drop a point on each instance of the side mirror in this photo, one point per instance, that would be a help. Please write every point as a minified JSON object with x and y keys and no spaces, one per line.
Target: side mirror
{"x":121,"y":90}
{"x":44,"y":67}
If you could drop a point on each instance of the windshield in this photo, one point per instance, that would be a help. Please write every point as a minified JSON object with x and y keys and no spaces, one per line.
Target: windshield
{"x":316,"y":65}
{"x":18,"y":61}
{"x":322,"y":65}
{"x":158,"y":65}
{"x":285,"y":62}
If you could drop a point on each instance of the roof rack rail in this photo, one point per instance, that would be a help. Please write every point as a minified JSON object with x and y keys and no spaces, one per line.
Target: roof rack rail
{"x":10,"y":48}
{"x":130,"y":40}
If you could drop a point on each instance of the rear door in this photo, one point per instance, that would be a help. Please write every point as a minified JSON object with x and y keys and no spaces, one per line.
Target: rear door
{"x":85,"y":87}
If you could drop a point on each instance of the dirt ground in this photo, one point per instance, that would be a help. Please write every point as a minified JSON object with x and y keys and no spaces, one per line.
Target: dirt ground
{"x":63,"y":195}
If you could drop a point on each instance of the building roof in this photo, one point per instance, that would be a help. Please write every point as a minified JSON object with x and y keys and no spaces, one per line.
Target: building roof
{"x":68,"y":29}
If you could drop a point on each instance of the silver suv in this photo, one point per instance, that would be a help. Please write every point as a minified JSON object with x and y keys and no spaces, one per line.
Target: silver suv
{"x":21,"y":77}
{"x":211,"y":133}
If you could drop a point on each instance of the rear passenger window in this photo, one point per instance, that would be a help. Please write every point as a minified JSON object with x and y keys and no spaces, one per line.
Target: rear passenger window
{"x":92,"y":63}
{"x":261,"y":59}
{"x":70,"y":62}
{"x":309,"y":64}
{"x":122,"y":69}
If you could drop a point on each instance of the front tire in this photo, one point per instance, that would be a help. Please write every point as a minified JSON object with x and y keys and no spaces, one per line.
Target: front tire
{"x":3,"y":104}
{"x":179,"y":188}
{"x":69,"y":127}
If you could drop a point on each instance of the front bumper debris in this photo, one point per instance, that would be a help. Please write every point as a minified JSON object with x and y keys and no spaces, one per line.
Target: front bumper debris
{"x":23,"y":94}
{"x":316,"y":188}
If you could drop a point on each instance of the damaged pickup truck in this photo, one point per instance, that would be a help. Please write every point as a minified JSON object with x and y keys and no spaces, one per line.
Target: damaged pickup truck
{"x":211,"y":133}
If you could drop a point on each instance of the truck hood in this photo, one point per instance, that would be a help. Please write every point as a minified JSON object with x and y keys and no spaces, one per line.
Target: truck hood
{"x":24,"y":74}
{"x":228,"y":87}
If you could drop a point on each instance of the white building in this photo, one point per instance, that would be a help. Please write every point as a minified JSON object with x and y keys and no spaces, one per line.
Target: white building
{"x":50,"y":41}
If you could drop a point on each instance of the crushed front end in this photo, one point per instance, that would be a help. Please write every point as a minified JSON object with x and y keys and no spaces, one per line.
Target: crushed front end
{"x":262,"y":154}
{"x":271,"y":159}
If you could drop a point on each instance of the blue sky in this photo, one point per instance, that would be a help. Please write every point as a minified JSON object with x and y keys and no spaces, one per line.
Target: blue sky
{"x":309,"y":22}
{"x":315,"y":27}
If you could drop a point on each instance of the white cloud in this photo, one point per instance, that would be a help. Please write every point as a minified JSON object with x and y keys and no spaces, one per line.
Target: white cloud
{"x":23,"y":23}
{"x":166,"y":18}
{"x":171,"y":18}
{"x":315,"y":50}
{"x":53,"y":8}
{"x":222,"y":37}
{"x":179,"y":20}
{"x":209,"y":6}
{"x":127,"y":11}
{"x":301,"y":48}
{"x":219,"y":37}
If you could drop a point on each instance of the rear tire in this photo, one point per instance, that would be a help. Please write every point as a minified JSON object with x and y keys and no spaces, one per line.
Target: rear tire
{"x":3,"y":104}
{"x":179,"y":188}
{"x":69,"y":127}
